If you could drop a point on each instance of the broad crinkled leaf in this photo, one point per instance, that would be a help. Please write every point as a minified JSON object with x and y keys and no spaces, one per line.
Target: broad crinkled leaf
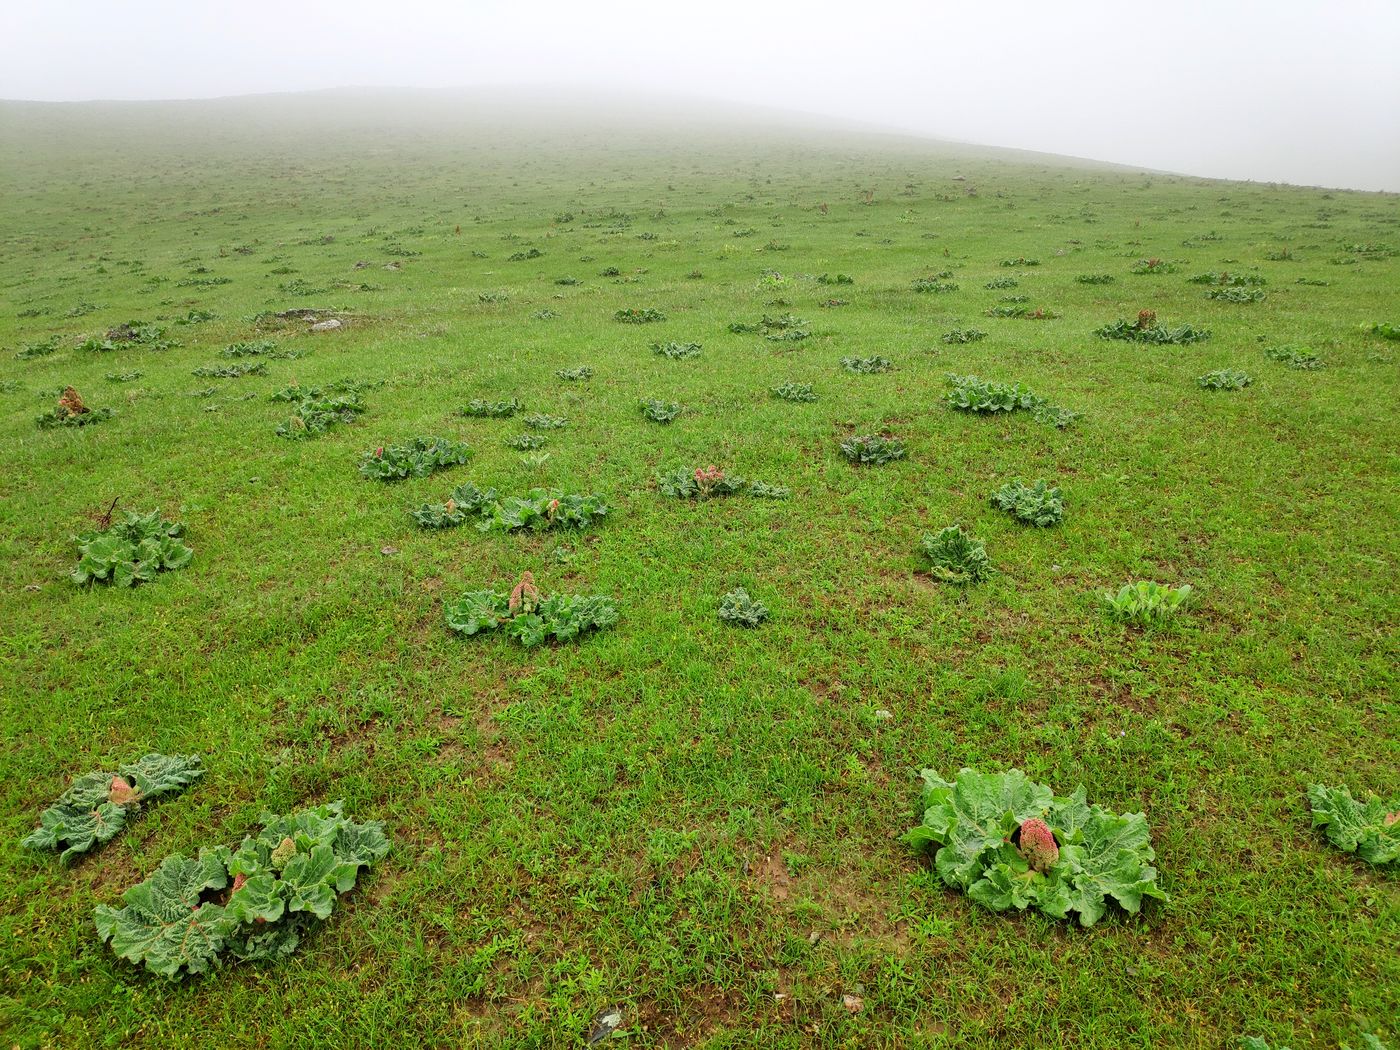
{"x":986,"y":809}
{"x":76,"y":830}
{"x":477,"y":611}
{"x":1357,"y":827}
{"x":313,"y":880}
{"x":89,"y":813}
{"x":1114,"y":860}
{"x":261,"y":898}
{"x":163,"y":924}
{"x":155,"y":774}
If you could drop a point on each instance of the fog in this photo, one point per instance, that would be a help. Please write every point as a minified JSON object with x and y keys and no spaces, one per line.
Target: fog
{"x":1302,"y":91}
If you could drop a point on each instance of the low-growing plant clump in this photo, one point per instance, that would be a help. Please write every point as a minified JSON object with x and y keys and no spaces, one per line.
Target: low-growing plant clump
{"x":419,"y":458}
{"x":1144,"y":266}
{"x":959,"y":336}
{"x":236,"y":371}
{"x":30,"y":351}
{"x":659,"y":411}
{"x":255,"y":902}
{"x":123,"y":377}
{"x":1095,"y":278}
{"x":782,"y":328}
{"x":1039,"y":504}
{"x":1238,"y":295}
{"x":526,"y":442}
{"x":934,"y":285}
{"x":1224,"y":379}
{"x":1303,"y":358}
{"x":131,"y":550}
{"x":528,"y":616}
{"x":955,"y":557}
{"x":574,"y":375}
{"x":676,"y":351}
{"x":983,"y":396}
{"x":1226,"y":279}
{"x":1146,"y":330}
{"x":1147,"y":604}
{"x":709,"y":482}
{"x":739,"y":609}
{"x":481,"y":409}
{"x":96,"y":806}
{"x":796,"y":392}
{"x":538,"y":510}
{"x":997,"y":283}
{"x":72,"y":411}
{"x":1370,"y":829}
{"x":639,"y":316}
{"x":872,"y":449}
{"x":543,"y":421}
{"x":865,"y":366}
{"x":316,"y":412}
{"x":840,"y":278}
{"x":1008,"y":842}
{"x":1384,"y":329}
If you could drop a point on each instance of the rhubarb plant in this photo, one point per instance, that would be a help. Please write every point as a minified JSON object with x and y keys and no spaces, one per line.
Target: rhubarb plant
{"x":419,"y":458}
{"x":659,"y":411}
{"x":539,"y":510}
{"x":1225,"y":379}
{"x":872,"y":449}
{"x":96,"y":805}
{"x":1302,"y":358}
{"x":798,"y":393}
{"x":1370,"y":829}
{"x":978,"y":395}
{"x":314,"y":413}
{"x":71,"y":411}
{"x":131,"y":551}
{"x":959,"y":336}
{"x":254,"y":902}
{"x":481,"y":409}
{"x":234,"y":371}
{"x":863,"y":366}
{"x":739,"y":609}
{"x":955,"y":557}
{"x":676,"y":351}
{"x":529,"y":616}
{"x":1146,"y":330}
{"x":1037,"y":504}
{"x":639,"y":316}
{"x":709,"y":482}
{"x":1008,"y":842}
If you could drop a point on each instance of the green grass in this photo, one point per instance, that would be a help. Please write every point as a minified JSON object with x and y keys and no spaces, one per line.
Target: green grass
{"x":696,"y":824}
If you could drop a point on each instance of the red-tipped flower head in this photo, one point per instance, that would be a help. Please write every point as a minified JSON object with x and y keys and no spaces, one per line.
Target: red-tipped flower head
{"x":1038,"y":845}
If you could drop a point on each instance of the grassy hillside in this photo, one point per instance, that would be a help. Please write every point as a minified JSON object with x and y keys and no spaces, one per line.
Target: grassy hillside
{"x":694,"y":823}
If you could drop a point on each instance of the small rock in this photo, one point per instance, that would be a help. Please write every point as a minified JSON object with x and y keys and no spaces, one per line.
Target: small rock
{"x":326,"y":326}
{"x":386,"y":551}
{"x":604,"y":1025}
{"x":854,"y":1003}
{"x":33,"y":586}
{"x":883,"y":715}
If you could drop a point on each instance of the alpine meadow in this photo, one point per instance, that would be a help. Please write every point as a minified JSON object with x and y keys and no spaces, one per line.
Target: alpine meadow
{"x":488,"y":575}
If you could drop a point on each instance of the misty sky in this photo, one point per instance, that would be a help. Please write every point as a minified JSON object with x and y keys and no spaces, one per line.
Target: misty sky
{"x":1304,"y":91}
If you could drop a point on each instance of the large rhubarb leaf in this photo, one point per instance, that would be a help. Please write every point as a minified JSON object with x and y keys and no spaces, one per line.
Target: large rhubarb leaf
{"x":96,"y":806}
{"x":164,"y":924}
{"x":973,"y":823}
{"x":281,"y":882}
{"x":1369,"y":829}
